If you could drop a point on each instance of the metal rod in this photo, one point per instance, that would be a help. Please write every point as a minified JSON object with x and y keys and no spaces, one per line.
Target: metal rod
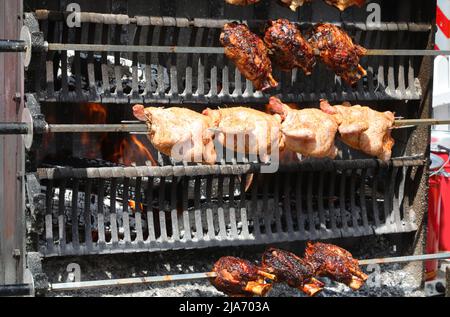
{"x":210,"y":50}
{"x":196,"y":276}
{"x":415,"y":122}
{"x":59,"y":128}
{"x":130,"y":281}
{"x":13,"y":128}
{"x":16,"y":290}
{"x":410,"y":258}
{"x":12,"y":46}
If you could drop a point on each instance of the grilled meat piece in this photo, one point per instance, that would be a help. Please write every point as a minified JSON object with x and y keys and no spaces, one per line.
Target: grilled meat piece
{"x":293,"y":4}
{"x":336,"y":263}
{"x":241,"y":2}
{"x":288,"y":46}
{"x":179,"y":133}
{"x":344,"y":4}
{"x":249,"y":54}
{"x":310,"y":132}
{"x":238,"y":277}
{"x":256,"y":130}
{"x":364,"y":129}
{"x":338,"y":52}
{"x":289,"y":268}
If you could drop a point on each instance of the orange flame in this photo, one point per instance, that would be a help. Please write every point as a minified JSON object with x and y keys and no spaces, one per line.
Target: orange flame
{"x":93,"y":113}
{"x":131,"y":151}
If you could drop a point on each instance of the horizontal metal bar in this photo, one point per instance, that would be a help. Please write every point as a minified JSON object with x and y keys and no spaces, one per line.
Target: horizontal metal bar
{"x":16,"y":290}
{"x":13,"y":128}
{"x":130,"y":281}
{"x":60,"y":128}
{"x":416,"y":122}
{"x":12,"y":46}
{"x":210,"y":50}
{"x":410,"y":258}
{"x":205,"y":275}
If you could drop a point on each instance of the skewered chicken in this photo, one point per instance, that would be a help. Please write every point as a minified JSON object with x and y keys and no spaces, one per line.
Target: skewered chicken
{"x":338,"y":52}
{"x":364,"y":129}
{"x":344,"y":4}
{"x":293,"y":4}
{"x":241,"y":2}
{"x":179,"y":133}
{"x":336,"y":263}
{"x":289,"y":268}
{"x":288,"y":46}
{"x":310,"y":132}
{"x":249,"y":54}
{"x":238,"y":277}
{"x":247,"y":130}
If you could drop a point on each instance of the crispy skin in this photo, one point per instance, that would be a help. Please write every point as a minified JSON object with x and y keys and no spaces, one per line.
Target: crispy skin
{"x":344,"y":4}
{"x":364,"y":129}
{"x":241,"y":2}
{"x":338,"y":52}
{"x":181,"y":128}
{"x":259,"y":129}
{"x":291,"y":269}
{"x":293,"y":4}
{"x":249,"y":54}
{"x":288,"y":46}
{"x":238,"y":277}
{"x":310,"y":132}
{"x":336,"y":263}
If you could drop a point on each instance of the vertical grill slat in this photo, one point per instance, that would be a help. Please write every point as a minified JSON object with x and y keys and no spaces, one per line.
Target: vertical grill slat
{"x":353,"y":207}
{"x":343,"y":209}
{"x":75,"y":239}
{"x":242,"y":206}
{"x":61,"y":215}
{"x":331,"y":199}
{"x":150,"y":223}
{"x":267,"y":214}
{"x":232,"y":209}
{"x":376,"y":213}
{"x":362,"y":201}
{"x":276,"y":197}
{"x":220,"y":212}
{"x":298,"y":205}
{"x":320,"y":208}
{"x":162,"y":208}
{"x":254,"y":207}
{"x":198,"y":211}
{"x":49,"y":216}
{"x":186,"y":221}
{"x":309,"y":206}
{"x":174,"y":210}
{"x":101,"y":213}
{"x":113,"y":214}
{"x":138,"y":211}
{"x":287,"y":203}
{"x":209,"y":211}
{"x":87,"y":214}
{"x":126,"y":215}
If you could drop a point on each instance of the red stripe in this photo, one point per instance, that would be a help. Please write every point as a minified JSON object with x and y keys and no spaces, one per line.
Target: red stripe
{"x":443,"y":22}
{"x":436,"y":47}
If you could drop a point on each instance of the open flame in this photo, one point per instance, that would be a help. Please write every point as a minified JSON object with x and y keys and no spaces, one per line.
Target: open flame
{"x":131,"y":150}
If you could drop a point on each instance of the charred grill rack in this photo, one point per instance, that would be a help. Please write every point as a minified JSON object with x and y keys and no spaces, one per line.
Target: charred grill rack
{"x":322,"y":199}
{"x":201,"y":77}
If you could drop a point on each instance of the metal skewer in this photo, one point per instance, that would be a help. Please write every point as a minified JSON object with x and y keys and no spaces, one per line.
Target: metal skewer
{"x":209,"y":50}
{"x":206,"y":275}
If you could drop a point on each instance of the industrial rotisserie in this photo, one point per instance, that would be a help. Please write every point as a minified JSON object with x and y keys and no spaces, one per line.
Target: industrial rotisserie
{"x":288,"y":46}
{"x":364,"y":129}
{"x":310,"y":132}
{"x":256,"y":131}
{"x":338,"y":52}
{"x":241,"y":2}
{"x":293,"y":270}
{"x":249,"y":54}
{"x":344,"y":4}
{"x":179,"y":133}
{"x":238,"y":277}
{"x":336,"y":263}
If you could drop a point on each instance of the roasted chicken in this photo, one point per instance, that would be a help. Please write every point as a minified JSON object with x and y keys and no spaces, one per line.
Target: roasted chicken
{"x":338,"y":52}
{"x":180,"y":133}
{"x":249,"y":53}
{"x":293,"y":4}
{"x":364,"y":129}
{"x":289,"y":268}
{"x":336,"y":263}
{"x":344,"y":4}
{"x":238,"y":277}
{"x":241,"y":2}
{"x":247,"y":130}
{"x":288,"y":46}
{"x":309,"y":132}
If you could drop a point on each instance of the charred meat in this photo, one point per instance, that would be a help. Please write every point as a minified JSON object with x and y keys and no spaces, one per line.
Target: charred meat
{"x":338,"y":52}
{"x":344,"y":4}
{"x":288,"y":46}
{"x":249,"y":53}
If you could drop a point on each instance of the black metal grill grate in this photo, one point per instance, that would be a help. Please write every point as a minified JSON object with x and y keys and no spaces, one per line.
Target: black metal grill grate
{"x":115,"y":209}
{"x":206,"y":78}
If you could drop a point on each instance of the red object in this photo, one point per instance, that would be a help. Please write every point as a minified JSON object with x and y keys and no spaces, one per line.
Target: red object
{"x":434,"y":211}
{"x":443,"y":22}
{"x":444,"y":231}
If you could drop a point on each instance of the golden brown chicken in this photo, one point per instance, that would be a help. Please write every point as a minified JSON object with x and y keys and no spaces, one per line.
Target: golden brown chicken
{"x":338,"y":52}
{"x":238,"y":277}
{"x":310,"y":132}
{"x":249,"y":53}
{"x":289,"y":268}
{"x":336,"y":263}
{"x":288,"y":46}
{"x":364,"y":129}
{"x":241,"y":2}
{"x":344,"y":4}
{"x":257,"y":131}
{"x":293,"y":4}
{"x":179,"y":133}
